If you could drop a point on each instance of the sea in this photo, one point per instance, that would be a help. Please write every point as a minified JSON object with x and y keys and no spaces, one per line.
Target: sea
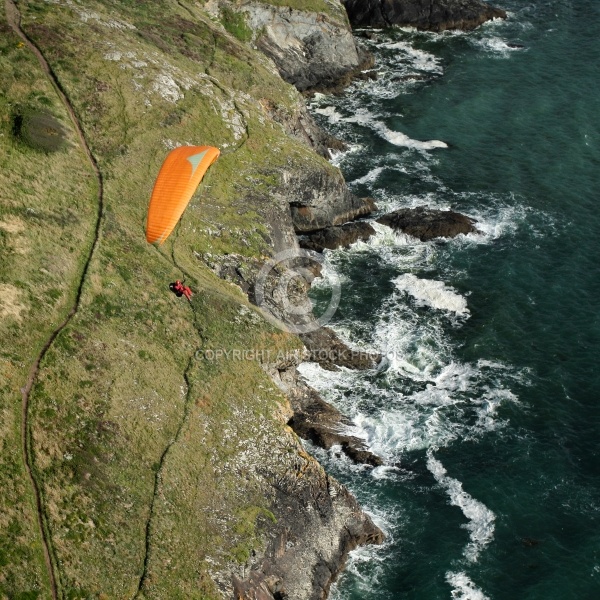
{"x":486,"y":406}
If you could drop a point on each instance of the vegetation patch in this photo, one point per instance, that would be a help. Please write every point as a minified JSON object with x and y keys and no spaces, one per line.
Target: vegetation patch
{"x":38,"y":129}
{"x":235,"y":23}
{"x":318,"y":6}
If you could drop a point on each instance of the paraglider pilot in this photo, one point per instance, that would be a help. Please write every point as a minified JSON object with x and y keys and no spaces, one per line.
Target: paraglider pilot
{"x":181,"y":290}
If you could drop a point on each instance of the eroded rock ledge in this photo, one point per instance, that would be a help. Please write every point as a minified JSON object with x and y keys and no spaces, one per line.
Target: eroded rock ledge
{"x":326,"y":348}
{"x":301,"y":544}
{"x":314,"y":419}
{"x":311,"y":205}
{"x":341,"y":236}
{"x":427,"y":224}
{"x":421,"y":222}
{"x":438,"y":15}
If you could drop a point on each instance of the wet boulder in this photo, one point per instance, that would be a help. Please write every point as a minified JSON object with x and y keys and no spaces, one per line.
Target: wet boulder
{"x":427,"y":224}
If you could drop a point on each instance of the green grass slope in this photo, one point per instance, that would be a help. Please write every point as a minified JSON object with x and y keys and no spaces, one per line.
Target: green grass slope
{"x":144,"y":451}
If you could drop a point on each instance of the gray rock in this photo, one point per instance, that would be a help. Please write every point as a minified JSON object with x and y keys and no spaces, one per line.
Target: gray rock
{"x":312,"y":51}
{"x":300,"y":125}
{"x":314,"y":419}
{"x":308,"y":549}
{"x":324,"y":425}
{"x":321,"y":199}
{"x":436,"y":15}
{"x":318,"y":522}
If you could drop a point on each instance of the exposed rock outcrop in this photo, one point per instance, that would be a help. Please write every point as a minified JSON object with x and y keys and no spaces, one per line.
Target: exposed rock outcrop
{"x":326,"y":348}
{"x":310,"y":197}
{"x":302,"y":127}
{"x":324,"y":425}
{"x":300,"y":546}
{"x":312,"y":51}
{"x":427,"y":224}
{"x":314,"y":419}
{"x":422,"y":14}
{"x":421,"y":222}
{"x":340,"y":236}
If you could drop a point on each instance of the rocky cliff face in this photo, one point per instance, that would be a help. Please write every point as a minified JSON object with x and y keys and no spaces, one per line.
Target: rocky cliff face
{"x":422,"y":14}
{"x":302,"y":558}
{"x":310,"y":197}
{"x":312,"y":51}
{"x":301,"y":126}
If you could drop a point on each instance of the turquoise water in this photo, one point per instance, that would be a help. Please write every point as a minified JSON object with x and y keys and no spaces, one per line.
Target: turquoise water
{"x":488,"y":399}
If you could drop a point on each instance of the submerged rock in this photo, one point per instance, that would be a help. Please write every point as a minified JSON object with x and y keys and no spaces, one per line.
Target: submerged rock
{"x":427,"y":224}
{"x":436,"y":15}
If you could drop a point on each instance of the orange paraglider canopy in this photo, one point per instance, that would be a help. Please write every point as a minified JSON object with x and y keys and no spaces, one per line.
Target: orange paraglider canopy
{"x":176,"y":183}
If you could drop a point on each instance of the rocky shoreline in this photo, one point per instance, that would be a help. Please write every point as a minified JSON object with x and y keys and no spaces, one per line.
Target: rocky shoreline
{"x":155,"y":449}
{"x":326,"y":215}
{"x":422,"y":14}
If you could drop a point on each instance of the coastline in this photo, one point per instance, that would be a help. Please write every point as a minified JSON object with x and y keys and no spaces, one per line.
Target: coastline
{"x":111,"y":463}
{"x":320,"y":225}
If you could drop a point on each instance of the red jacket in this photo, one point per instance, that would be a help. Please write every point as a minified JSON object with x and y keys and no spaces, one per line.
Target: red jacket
{"x":181,"y":290}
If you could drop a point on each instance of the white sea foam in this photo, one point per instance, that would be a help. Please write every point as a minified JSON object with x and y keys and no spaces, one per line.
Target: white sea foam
{"x":364,"y":117}
{"x":481,"y":519}
{"x":497,"y":46}
{"x":397,"y":138}
{"x":400,"y":139}
{"x":395,"y":248}
{"x":417,"y":59}
{"x":339,"y":156}
{"x":393,"y":433}
{"x":432,"y":293}
{"x":333,"y":116}
{"x":371,"y":176}
{"x":444,"y":411}
{"x":454,"y":401}
{"x":416,"y":349}
{"x":384,"y":472}
{"x":463,"y":587}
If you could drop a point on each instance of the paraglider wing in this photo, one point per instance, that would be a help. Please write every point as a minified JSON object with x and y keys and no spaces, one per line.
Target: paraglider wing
{"x":177,"y":180}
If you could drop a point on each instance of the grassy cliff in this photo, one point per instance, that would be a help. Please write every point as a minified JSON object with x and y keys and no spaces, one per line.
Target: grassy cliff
{"x":130,"y":448}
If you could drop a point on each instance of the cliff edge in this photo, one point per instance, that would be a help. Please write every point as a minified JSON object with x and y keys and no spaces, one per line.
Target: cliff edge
{"x":146,"y":446}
